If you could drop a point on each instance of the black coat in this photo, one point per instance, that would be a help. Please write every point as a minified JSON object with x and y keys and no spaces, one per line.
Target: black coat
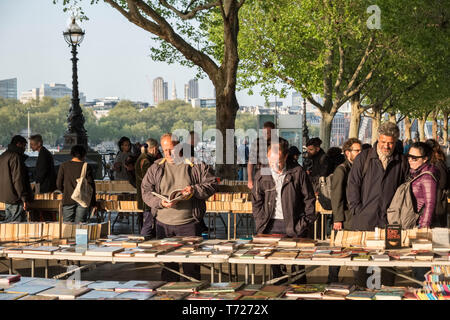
{"x":14,"y":181}
{"x":45,"y":171}
{"x":297,"y":197}
{"x":339,"y":203}
{"x":440,"y":216}
{"x":370,"y":196}
{"x":319,"y":168}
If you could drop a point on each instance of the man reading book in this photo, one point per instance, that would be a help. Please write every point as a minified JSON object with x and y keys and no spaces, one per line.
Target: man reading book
{"x":196,"y":183}
{"x":283,"y":198}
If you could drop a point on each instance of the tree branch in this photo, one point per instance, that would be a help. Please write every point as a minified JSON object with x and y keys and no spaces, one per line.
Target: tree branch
{"x":186,"y":15}
{"x":341,"y":65}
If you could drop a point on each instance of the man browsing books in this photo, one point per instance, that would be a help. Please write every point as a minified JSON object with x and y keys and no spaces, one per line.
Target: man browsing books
{"x":283,"y":200}
{"x":182,"y":217}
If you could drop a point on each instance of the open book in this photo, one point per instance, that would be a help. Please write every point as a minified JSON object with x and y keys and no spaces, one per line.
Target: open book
{"x":175,"y":195}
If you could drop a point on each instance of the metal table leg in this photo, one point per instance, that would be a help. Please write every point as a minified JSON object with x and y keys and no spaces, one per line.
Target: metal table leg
{"x":46,"y":269}
{"x":321,"y":226}
{"x":228,"y":224}
{"x":209,"y":225}
{"x":212,"y":272}
{"x":33,"y":265}
{"x":315,"y":230}
{"x":253,"y":273}
{"x":132,"y":223}
{"x":230,"y":273}
{"x":10,"y":266}
{"x":220,"y":272}
{"x":236,"y":275}
{"x":246,"y":274}
{"x":264,"y":274}
{"x":234,"y":227}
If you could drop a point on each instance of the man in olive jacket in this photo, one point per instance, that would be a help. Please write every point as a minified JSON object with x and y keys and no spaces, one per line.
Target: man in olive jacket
{"x":283,"y":198}
{"x":15,"y":189}
{"x":197,"y":183}
{"x":339,"y":204}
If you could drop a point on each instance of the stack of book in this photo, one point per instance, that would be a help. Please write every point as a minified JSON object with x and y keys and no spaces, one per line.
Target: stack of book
{"x":48,"y":196}
{"x":306,"y":291}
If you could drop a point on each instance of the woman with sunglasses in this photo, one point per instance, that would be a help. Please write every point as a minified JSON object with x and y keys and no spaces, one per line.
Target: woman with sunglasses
{"x":424,"y":189}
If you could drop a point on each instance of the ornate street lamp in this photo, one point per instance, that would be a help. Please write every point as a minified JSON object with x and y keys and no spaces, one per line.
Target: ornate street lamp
{"x":76,"y":133}
{"x":305,"y":126}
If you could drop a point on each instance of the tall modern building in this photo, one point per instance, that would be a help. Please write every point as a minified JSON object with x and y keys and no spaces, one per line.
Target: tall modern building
{"x":160,"y":90}
{"x":174,"y":91}
{"x":8,"y":88}
{"x":191,"y":90}
{"x":52,"y":90}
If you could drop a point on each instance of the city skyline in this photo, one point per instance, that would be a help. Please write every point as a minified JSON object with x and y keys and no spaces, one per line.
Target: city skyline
{"x":113,"y":58}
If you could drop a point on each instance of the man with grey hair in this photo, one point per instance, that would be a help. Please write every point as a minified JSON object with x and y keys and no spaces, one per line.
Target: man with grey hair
{"x":373,"y":179}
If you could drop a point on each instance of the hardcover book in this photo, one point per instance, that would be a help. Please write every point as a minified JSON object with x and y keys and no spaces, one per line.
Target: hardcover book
{"x":393,"y":236}
{"x":139,"y":286}
{"x":182,"y":286}
{"x":98,"y":295}
{"x":223,"y":287}
{"x":64,"y":293}
{"x":134,"y":295}
{"x":361,"y":295}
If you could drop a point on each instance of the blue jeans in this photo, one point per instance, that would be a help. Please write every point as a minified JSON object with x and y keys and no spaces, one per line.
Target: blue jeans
{"x":75,"y":213}
{"x":14,"y":212}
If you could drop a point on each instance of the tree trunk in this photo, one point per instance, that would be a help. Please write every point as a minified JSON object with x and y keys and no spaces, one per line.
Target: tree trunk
{"x":355,"y":119}
{"x":408,"y":125}
{"x":325,"y":129}
{"x":226,"y":109}
{"x":376,"y":122}
{"x":421,"y":126}
{"x":445,"y":128}
{"x":435,"y":126}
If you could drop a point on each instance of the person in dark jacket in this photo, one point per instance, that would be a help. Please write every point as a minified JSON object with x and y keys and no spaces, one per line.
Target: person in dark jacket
{"x":66,"y":182}
{"x":335,"y":158}
{"x":149,"y":153}
{"x":15,"y":188}
{"x":373,"y":179}
{"x":45,"y":176}
{"x":319,"y":162}
{"x":196,"y":183}
{"x":339,"y":203}
{"x":438,"y":159}
{"x":283,"y":201}
{"x":294,"y":155}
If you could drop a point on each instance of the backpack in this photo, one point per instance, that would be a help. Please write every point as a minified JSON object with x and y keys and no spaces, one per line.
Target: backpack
{"x":401,"y":210}
{"x":83,"y":190}
{"x":325,"y":186}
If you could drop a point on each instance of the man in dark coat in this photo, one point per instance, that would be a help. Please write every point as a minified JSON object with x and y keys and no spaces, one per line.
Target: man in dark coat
{"x":339,"y":203}
{"x":375,"y":176}
{"x":15,"y":189}
{"x":283,"y":200}
{"x":45,"y":174}
{"x":318,"y":162}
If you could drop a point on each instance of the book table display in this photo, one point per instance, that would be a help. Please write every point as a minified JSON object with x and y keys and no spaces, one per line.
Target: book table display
{"x":428,"y":249}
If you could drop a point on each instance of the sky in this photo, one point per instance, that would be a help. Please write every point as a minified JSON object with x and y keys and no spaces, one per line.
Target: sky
{"x":114,"y":57}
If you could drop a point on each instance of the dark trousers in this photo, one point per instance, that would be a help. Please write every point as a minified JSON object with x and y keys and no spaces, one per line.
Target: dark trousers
{"x":75,"y":213}
{"x":278,"y":226}
{"x":361,"y":276}
{"x":167,"y":231}
{"x":14,"y":212}
{"x":148,"y":225}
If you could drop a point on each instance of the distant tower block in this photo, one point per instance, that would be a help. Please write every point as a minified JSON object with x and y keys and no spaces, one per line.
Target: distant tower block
{"x":174,"y":91}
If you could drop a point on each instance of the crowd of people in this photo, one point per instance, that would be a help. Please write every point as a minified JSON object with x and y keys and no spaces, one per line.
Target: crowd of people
{"x":363,"y":183}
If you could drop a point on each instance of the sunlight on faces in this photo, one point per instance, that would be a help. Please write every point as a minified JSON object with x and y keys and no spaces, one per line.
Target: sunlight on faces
{"x":415,"y":163}
{"x":277,"y":160}
{"x":34,"y":145}
{"x":353,"y":152}
{"x":312,"y":150}
{"x":386,"y":144}
{"x":168,"y":147}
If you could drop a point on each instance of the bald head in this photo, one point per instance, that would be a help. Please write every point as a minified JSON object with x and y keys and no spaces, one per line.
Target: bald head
{"x":168,"y":143}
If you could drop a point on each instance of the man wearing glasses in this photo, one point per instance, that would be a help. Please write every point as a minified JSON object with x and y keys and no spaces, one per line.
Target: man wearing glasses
{"x":373,"y":179}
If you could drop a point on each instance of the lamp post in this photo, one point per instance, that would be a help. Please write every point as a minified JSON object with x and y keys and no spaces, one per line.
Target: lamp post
{"x":305,"y":126}
{"x":76,"y":133}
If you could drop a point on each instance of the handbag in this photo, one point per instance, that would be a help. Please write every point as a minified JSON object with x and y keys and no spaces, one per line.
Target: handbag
{"x":83,"y":190}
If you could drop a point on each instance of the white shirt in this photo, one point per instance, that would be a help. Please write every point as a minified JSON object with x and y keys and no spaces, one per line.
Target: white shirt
{"x":278,"y":178}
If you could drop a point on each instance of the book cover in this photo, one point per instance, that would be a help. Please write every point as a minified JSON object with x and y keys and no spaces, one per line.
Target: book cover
{"x":169,"y":296}
{"x":64,"y":293}
{"x":133,"y":295}
{"x":340,"y":287}
{"x":98,"y":295}
{"x":27,"y":297}
{"x":227,"y":296}
{"x":182,"y":286}
{"x":81,"y":237}
{"x":175,"y":195}
{"x":223,"y":287}
{"x":28,"y":289}
{"x":141,"y":286}
{"x":11,"y":296}
{"x":102,"y":251}
{"x":306,"y":291}
{"x":106,"y":285}
{"x":393,"y":236}
{"x":271,"y":291}
{"x":361,"y":295}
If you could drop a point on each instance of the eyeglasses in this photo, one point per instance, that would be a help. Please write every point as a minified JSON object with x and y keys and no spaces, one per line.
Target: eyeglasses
{"x":414,"y":158}
{"x":355,"y":150}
